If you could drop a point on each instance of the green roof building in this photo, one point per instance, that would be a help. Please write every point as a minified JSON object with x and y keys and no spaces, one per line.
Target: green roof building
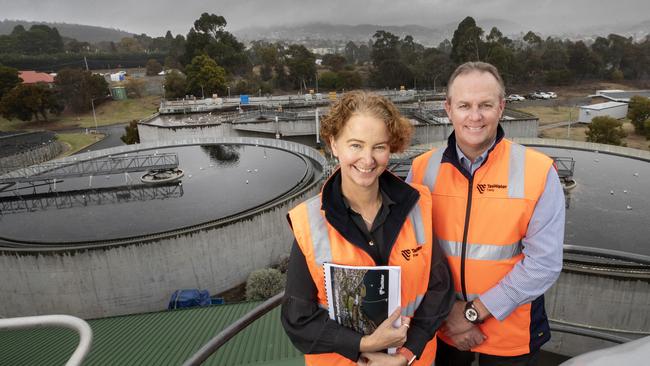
{"x":162,"y":338}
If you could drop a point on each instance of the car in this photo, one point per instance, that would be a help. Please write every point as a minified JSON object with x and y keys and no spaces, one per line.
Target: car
{"x":552,"y":95}
{"x":539,"y":95}
{"x":514,"y":98}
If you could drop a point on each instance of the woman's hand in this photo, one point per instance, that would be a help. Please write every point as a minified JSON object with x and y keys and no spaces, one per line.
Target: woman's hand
{"x":381,"y":359}
{"x":386,"y":336}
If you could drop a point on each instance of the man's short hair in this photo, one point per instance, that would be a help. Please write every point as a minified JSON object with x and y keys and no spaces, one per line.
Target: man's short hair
{"x":479,"y":66}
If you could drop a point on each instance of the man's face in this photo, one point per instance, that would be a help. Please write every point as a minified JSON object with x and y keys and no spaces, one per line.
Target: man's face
{"x":474,"y":107}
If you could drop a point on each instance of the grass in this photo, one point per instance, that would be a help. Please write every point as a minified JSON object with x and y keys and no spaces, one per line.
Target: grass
{"x":578,"y":132}
{"x":108,"y":113}
{"x":77,"y":141}
{"x":548,"y":115}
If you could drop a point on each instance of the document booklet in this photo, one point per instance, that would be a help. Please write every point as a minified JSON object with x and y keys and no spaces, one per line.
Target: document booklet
{"x":361,"y":298}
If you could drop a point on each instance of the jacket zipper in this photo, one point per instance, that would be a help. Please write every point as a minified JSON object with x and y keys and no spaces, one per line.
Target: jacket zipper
{"x":463,"y":253}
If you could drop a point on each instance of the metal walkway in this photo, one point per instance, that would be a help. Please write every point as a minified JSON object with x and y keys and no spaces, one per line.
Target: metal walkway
{"x":89,"y":197}
{"x":95,"y":167}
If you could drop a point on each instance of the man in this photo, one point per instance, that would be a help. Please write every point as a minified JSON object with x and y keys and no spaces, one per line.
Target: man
{"x":498,"y":212}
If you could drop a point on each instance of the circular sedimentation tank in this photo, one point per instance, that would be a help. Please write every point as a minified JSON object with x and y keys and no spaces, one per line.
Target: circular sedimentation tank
{"x":218,"y":181}
{"x":132,"y":244}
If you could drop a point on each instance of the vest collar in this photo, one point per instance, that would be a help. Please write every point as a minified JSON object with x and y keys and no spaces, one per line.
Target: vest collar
{"x":336,"y":213}
{"x":451,"y":155}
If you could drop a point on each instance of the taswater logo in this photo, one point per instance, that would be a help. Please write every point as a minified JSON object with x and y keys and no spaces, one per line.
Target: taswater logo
{"x":482,"y":187}
{"x":408,"y":253}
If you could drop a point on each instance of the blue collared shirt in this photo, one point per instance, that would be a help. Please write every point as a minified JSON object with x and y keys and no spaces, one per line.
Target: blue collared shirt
{"x":542,"y":248}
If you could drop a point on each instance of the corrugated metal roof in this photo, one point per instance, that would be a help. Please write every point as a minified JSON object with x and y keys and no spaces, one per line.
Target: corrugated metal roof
{"x":163,"y":338}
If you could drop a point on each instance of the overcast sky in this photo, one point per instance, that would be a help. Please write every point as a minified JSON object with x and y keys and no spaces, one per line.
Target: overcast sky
{"x":156,"y":17}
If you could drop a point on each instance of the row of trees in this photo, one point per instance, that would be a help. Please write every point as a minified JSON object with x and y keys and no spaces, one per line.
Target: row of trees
{"x":527,"y":61}
{"x":74,"y":89}
{"x":390,"y":61}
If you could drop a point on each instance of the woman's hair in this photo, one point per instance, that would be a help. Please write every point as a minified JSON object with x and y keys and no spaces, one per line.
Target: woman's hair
{"x":365,"y":103}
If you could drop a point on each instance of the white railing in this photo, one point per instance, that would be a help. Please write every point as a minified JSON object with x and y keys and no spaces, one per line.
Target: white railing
{"x":65,"y":321}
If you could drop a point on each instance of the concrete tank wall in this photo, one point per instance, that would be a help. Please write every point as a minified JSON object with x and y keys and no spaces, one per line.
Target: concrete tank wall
{"x":141,"y":277}
{"x":30,"y":157}
{"x":602,"y":303}
{"x":422,"y":134}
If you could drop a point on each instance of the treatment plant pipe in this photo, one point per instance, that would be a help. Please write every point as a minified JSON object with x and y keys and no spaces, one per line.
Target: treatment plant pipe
{"x":66,"y":321}
{"x":225,"y":335}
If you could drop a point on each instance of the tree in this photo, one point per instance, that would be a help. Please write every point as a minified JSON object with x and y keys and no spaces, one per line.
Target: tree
{"x":208,"y":36}
{"x":466,"y":42}
{"x":205,"y":77}
{"x":582,"y":61}
{"x":135,"y":87}
{"x":131,"y":135}
{"x":78,"y":88}
{"x":302,"y":65}
{"x":129,"y":45}
{"x":8,"y":79}
{"x":153,"y":67}
{"x":638,"y":112}
{"x":330,"y":80}
{"x":28,"y":101}
{"x":175,"y":85}
{"x":39,"y":39}
{"x":334,"y":62}
{"x":605,"y":130}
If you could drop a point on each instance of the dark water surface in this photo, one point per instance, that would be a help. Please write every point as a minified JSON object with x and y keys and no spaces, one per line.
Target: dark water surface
{"x":610,"y":206}
{"x":214,"y":186}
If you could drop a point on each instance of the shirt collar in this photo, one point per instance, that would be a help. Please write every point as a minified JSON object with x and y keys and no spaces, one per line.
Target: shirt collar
{"x":385,"y":199}
{"x":465,"y":161}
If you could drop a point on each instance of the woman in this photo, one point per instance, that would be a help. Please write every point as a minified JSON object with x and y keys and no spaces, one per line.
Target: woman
{"x":365,"y":216}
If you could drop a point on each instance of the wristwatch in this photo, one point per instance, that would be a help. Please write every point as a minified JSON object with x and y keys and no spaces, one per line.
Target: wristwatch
{"x":410,"y":357}
{"x":471,"y":313}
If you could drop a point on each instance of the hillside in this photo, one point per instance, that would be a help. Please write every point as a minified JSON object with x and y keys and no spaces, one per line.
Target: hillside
{"x":83,"y":33}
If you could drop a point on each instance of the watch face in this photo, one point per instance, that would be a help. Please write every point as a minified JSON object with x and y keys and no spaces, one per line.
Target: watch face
{"x":471,"y":315}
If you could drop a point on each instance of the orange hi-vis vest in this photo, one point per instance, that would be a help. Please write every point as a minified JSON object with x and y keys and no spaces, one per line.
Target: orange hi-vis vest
{"x":480,"y":222}
{"x":321,"y":243}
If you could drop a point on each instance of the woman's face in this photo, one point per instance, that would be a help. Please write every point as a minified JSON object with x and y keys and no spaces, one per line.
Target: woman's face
{"x":362,"y":148}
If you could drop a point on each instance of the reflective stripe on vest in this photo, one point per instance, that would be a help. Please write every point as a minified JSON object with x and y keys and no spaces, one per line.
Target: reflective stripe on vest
{"x":409,"y":309}
{"x":481,"y":251}
{"x":321,"y":241}
{"x":431,"y":174}
{"x":318,"y":232}
{"x":515,"y":173}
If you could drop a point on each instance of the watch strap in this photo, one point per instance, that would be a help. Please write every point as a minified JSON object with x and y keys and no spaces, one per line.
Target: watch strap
{"x":410,"y":357}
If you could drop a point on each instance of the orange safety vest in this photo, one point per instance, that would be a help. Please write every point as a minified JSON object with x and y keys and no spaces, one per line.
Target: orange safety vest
{"x":479,"y":222}
{"x":321,"y":243}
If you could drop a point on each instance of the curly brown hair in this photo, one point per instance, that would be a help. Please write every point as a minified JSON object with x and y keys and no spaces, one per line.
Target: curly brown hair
{"x":362,"y":102}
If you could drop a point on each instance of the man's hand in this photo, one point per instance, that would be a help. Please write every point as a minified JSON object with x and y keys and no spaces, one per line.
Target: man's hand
{"x":381,"y":359}
{"x":469,"y":339}
{"x":386,"y":336}
{"x":456,"y":322}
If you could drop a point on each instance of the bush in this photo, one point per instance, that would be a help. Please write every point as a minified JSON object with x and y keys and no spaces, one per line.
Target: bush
{"x":131,"y":135}
{"x":639,"y":113}
{"x":283,"y":264}
{"x":135,"y":88}
{"x":263,"y":284}
{"x":153,"y":67}
{"x":605,"y":130}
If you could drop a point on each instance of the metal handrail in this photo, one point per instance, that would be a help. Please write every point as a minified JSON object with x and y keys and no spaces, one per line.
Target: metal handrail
{"x":225,"y":335}
{"x":66,"y":321}
{"x":609,"y":253}
{"x":592,"y":333}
